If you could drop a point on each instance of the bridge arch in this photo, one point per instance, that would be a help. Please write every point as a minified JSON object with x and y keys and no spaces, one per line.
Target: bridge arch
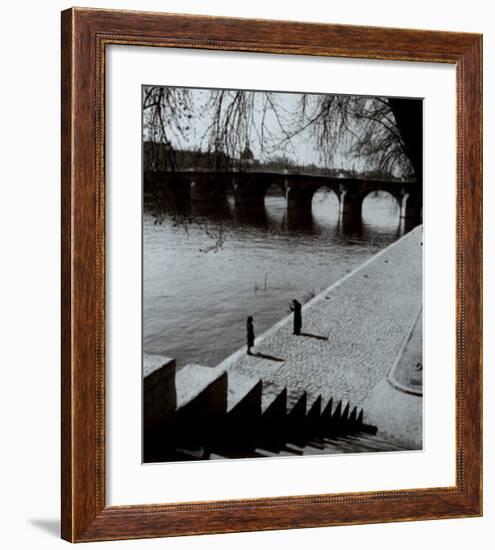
{"x":408,"y":199}
{"x":275,"y":190}
{"x":325,"y":202}
{"x":300,"y":193}
{"x":372,"y":193}
{"x":381,"y":207}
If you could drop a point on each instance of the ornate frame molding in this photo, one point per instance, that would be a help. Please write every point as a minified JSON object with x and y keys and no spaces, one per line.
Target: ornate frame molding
{"x":85,"y":34}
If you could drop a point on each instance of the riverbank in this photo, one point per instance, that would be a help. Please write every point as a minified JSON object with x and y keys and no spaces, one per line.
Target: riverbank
{"x":352,"y":332}
{"x":195,"y":303}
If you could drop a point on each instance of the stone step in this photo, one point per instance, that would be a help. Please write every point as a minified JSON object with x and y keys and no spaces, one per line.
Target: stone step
{"x":317,"y":441}
{"x":338,"y":411}
{"x":353,"y":416}
{"x":243,"y":395}
{"x":153,"y":363}
{"x":328,"y":450}
{"x":193,"y":381}
{"x":327,"y":409}
{"x":377,"y":438}
{"x":276,"y":403}
{"x":314,"y":410}
{"x":293,"y":398}
{"x":159,"y":393}
{"x":236,"y":433}
{"x":317,"y":444}
{"x":237,"y":415}
{"x":297,"y":410}
{"x":287,"y":452}
{"x":191,"y":454}
{"x":215,"y":456}
{"x":260,"y":452}
{"x":314,"y":449}
{"x":201,"y":406}
{"x":378,"y":444}
{"x":312,"y":421}
{"x":343,"y":443}
{"x":274,"y":409}
{"x":357,"y":445}
{"x":294,"y":448}
{"x":272,"y":390}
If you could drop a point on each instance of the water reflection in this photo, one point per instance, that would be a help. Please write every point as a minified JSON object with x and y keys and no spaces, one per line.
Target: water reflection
{"x":350,"y":226}
{"x":251,"y":215}
{"x":257,"y":259}
{"x":380,"y":215}
{"x":215,"y":211}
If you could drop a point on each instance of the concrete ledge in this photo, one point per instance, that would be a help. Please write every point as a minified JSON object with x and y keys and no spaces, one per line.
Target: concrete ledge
{"x":192,"y":380}
{"x":298,"y":411}
{"x":244,"y":395}
{"x":275,"y":406}
{"x":153,"y":363}
{"x":159,"y":395}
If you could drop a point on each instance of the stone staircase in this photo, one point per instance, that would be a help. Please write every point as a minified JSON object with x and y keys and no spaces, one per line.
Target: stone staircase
{"x":200,"y":413}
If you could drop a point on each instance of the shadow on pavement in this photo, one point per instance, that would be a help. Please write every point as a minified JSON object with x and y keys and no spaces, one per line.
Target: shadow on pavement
{"x":269,"y":357}
{"x":317,"y":336}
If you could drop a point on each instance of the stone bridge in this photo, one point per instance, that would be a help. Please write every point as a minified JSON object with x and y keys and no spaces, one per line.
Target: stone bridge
{"x":250,"y":187}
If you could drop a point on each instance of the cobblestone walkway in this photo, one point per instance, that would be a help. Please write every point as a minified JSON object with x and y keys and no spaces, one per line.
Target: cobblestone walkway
{"x":352,"y":331}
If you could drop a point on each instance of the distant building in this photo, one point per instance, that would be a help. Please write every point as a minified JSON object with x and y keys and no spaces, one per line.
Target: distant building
{"x":159,"y":157}
{"x":247,"y":156}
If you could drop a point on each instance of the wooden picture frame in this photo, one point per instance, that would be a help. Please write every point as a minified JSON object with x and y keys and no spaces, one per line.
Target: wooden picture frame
{"x":85,"y":35}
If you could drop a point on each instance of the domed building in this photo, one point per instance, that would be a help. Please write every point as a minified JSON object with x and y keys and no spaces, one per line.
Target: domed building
{"x":247,"y":157}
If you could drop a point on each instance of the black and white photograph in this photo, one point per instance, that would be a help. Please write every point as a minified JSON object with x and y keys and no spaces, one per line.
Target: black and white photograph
{"x":282,"y":274}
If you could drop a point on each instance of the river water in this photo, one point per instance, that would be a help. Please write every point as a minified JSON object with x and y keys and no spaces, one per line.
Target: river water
{"x":202,"y":279}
